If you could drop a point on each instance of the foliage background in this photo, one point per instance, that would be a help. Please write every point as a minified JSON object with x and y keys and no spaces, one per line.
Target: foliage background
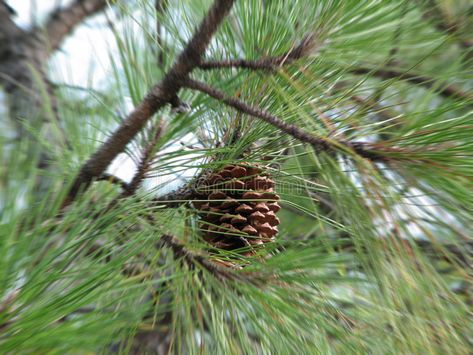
{"x":372,"y":256}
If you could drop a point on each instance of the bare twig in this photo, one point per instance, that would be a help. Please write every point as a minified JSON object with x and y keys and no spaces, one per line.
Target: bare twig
{"x":157,"y":97}
{"x":447,"y":90}
{"x":113,"y":180}
{"x":268,"y":63}
{"x":176,"y":198}
{"x":319,"y":143}
{"x":145,"y":163}
{"x":64,"y":20}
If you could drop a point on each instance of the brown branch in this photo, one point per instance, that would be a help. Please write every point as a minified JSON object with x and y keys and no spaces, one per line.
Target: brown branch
{"x":145,"y":163}
{"x":8,"y":29}
{"x":319,"y":143}
{"x":113,"y":180}
{"x":446,"y":90}
{"x":268,"y":63}
{"x":63,"y":21}
{"x":176,"y":198}
{"x":157,"y":97}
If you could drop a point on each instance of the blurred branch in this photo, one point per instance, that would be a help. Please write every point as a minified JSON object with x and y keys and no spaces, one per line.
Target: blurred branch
{"x":176,"y":198}
{"x":160,"y":7}
{"x":434,"y":13}
{"x":63,"y":21}
{"x":446,"y":90}
{"x":372,"y":105}
{"x":319,"y":143}
{"x":145,"y":162}
{"x":450,"y":253}
{"x":114,"y":180}
{"x":157,"y":97}
{"x":304,"y":48}
{"x":462,"y":253}
{"x":8,"y":29}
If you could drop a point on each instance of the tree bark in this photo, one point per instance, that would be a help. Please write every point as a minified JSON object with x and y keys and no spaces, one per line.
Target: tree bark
{"x":24,"y":56}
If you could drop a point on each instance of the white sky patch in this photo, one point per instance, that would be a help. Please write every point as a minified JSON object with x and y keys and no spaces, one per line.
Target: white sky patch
{"x":83,"y":59}
{"x":123,"y":167}
{"x":172,"y":177}
{"x":33,"y":10}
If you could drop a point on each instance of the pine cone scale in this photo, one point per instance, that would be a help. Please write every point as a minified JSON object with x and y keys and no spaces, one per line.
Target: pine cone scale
{"x":238,"y":208}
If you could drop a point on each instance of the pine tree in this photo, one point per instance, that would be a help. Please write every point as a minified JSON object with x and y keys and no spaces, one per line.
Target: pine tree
{"x":302,"y":184}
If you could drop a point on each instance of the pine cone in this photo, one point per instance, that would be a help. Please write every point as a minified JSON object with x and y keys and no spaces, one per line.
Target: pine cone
{"x":238,"y":208}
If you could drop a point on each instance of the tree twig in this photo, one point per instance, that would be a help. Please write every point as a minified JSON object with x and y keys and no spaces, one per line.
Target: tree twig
{"x":160,"y":7}
{"x":63,"y":21}
{"x":176,"y":198}
{"x":8,"y":29}
{"x":447,"y":90}
{"x":145,"y":162}
{"x":268,"y":63}
{"x":319,"y":143}
{"x":113,"y":180}
{"x":157,"y":97}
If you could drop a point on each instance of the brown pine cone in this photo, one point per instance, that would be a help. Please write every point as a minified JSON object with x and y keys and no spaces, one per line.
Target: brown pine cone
{"x":237,"y":208}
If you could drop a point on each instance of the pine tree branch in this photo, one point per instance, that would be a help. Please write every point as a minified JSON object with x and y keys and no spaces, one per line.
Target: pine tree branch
{"x":8,"y":29}
{"x":462,"y":254}
{"x":145,"y":163}
{"x":176,"y":198}
{"x":319,"y":143}
{"x":306,"y":46}
{"x":113,"y":180}
{"x":63,"y":21}
{"x":446,"y":90}
{"x":384,"y":114}
{"x":157,"y":97}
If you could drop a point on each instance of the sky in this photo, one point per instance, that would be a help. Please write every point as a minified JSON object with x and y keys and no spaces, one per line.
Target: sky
{"x":84,"y":54}
{"x":83,"y":61}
